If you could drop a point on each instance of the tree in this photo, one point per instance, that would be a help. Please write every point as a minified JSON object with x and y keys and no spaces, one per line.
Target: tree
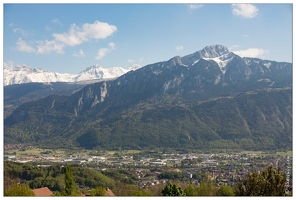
{"x":206,"y":189}
{"x":225,"y":191}
{"x":155,"y":190}
{"x":190,"y":190}
{"x":19,"y":190}
{"x":269,"y":182}
{"x":69,"y":181}
{"x":170,"y":175}
{"x":172,"y":190}
{"x":98,"y":191}
{"x":9,"y":181}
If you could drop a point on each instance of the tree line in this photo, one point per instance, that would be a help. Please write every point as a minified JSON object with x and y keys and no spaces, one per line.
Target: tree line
{"x":20,"y":179}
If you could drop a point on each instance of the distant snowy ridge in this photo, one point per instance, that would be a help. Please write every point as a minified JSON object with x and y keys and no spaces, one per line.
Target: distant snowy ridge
{"x":26,"y":74}
{"x":217,"y":53}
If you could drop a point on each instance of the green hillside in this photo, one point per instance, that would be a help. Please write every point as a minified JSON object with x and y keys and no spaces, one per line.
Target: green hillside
{"x":258,"y":120}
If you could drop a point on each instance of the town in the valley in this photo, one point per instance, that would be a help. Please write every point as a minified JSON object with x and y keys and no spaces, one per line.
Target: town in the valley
{"x":153,"y":167}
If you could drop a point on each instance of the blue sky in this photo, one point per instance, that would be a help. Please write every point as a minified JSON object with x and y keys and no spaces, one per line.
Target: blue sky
{"x":67,"y":38}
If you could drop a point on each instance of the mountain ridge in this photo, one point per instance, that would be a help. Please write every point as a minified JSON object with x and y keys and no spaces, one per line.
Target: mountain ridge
{"x":25,"y":74}
{"x":160,"y":99}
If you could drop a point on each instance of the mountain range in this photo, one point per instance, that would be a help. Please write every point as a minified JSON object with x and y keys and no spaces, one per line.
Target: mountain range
{"x":209,"y":99}
{"x":25,"y":74}
{"x":24,"y":84}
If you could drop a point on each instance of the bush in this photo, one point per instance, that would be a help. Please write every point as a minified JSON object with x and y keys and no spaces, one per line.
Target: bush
{"x":98,"y":191}
{"x":225,"y":191}
{"x":19,"y":190}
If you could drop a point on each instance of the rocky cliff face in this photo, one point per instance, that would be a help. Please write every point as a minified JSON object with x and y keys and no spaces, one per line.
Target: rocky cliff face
{"x":220,"y":73}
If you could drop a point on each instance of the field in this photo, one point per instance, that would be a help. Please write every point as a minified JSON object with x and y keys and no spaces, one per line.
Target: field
{"x":60,"y":152}
{"x":36,"y":151}
{"x":262,"y":153}
{"x":84,"y":152}
{"x":287,"y":153}
{"x":124,"y":152}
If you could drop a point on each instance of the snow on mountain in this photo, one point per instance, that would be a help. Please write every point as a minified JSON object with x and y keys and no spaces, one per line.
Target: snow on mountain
{"x":26,"y":74}
{"x":267,"y":64}
{"x":213,"y":51}
{"x":217,"y":53}
{"x":249,"y":61}
{"x":97,"y":72}
{"x":222,"y":61}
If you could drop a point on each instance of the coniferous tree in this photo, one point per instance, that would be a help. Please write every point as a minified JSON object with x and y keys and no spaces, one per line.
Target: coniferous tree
{"x":70,"y":187}
{"x":172,"y":190}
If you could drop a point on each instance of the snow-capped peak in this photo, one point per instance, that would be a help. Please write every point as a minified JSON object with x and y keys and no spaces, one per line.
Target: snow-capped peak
{"x":213,"y":51}
{"x":26,"y":74}
{"x":218,"y":53}
{"x":91,"y":68}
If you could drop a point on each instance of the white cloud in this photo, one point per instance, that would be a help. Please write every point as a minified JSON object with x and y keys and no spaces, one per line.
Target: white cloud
{"x":104,"y":51}
{"x":71,"y":38}
{"x":179,"y":48}
{"x":130,"y":60}
{"x":49,"y":46}
{"x":97,"y":30}
{"x":233,"y":47}
{"x":21,"y":45}
{"x":111,"y":45}
{"x":195,"y":6}
{"x":76,"y":36}
{"x":80,"y":53}
{"x":21,"y":31}
{"x":245,"y":10}
{"x":252,"y":52}
{"x":141,"y":59}
{"x":56,"y":21}
{"x":16,"y":29}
